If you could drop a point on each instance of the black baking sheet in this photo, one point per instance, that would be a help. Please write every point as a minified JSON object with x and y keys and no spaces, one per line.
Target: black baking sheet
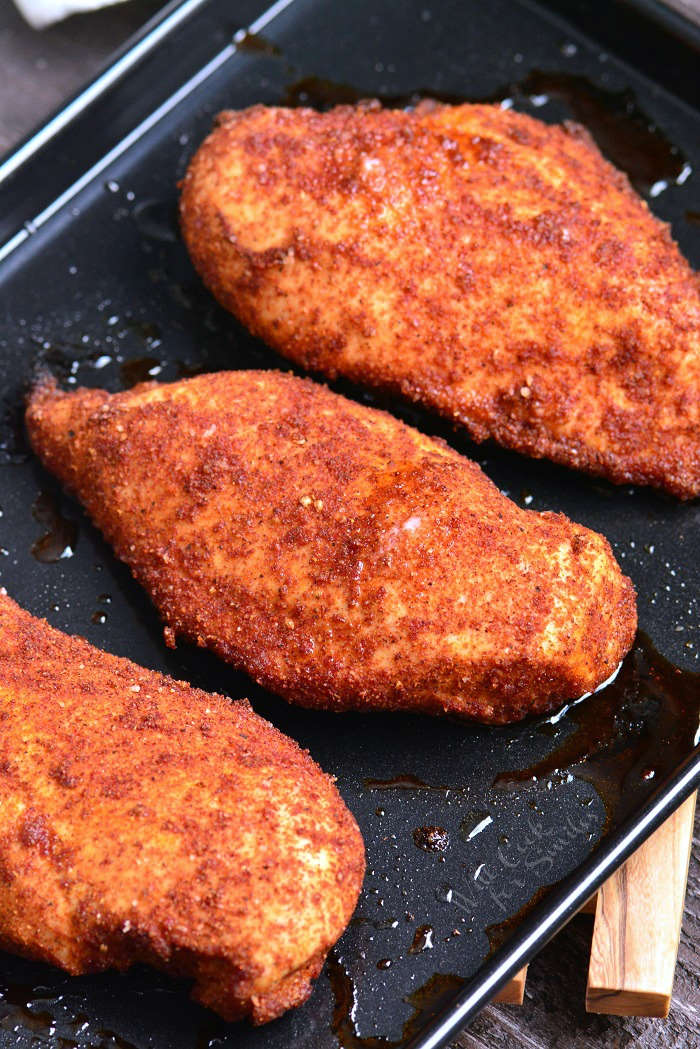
{"x":103,"y":293}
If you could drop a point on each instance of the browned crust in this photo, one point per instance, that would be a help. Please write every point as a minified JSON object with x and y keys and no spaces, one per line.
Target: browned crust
{"x":142,"y":820}
{"x":493,"y":268}
{"x":341,"y":558}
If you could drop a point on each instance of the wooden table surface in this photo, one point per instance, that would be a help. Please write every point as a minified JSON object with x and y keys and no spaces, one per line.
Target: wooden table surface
{"x":37,"y":71}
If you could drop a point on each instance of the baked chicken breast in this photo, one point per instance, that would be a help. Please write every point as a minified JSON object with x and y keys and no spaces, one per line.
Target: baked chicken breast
{"x":490,"y":267}
{"x":142,"y":820}
{"x":340,"y":557}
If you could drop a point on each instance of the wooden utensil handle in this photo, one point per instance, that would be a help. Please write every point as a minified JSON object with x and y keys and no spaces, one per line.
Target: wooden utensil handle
{"x":513,"y":992}
{"x":638,"y":922}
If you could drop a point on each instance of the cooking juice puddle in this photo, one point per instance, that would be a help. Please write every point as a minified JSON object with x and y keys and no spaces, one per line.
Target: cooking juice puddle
{"x":635,"y":730}
{"x":60,"y":537}
{"x":407,"y":782}
{"x":425,"y":1001}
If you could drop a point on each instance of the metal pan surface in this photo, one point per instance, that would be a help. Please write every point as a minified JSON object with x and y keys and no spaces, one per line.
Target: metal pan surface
{"x":96,"y":284}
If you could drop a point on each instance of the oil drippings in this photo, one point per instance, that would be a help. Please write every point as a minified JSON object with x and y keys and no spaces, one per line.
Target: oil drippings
{"x":623,"y":132}
{"x":422,"y":940}
{"x":61,"y":536}
{"x":407,"y":782}
{"x":426,"y":1001}
{"x":359,"y":920}
{"x":645,"y":720}
{"x":431,"y":839}
{"x":255,"y":44}
{"x":139,"y":369}
{"x":322,"y":94}
{"x":499,"y":932}
{"x":188,"y":369}
{"x":51,"y":1022}
{"x":146,"y":330}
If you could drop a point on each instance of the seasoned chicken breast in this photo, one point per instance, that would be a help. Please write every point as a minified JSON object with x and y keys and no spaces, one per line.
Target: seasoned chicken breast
{"x":142,"y":820}
{"x":490,"y":267}
{"x":340,"y":557}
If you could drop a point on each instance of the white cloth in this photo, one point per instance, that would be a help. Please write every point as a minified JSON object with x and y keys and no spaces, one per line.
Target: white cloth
{"x":41,"y":13}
